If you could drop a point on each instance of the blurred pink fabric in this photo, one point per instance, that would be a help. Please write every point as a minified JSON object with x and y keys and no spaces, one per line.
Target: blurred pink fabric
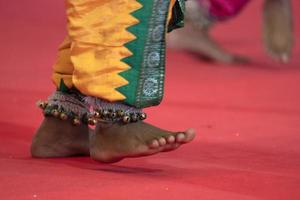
{"x":223,"y":9}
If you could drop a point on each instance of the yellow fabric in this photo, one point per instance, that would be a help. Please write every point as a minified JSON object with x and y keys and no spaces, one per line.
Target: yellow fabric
{"x":98,"y":32}
{"x":90,"y":57}
{"x":172,"y":3}
{"x":63,"y":67}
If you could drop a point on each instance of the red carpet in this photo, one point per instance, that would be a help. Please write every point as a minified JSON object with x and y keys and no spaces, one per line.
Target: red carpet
{"x":247,"y":118}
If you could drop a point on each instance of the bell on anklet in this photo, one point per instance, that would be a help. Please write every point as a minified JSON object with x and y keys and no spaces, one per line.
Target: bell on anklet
{"x":97,"y":114}
{"x":120,"y":113}
{"x":134,"y":117}
{"x":43,"y":104}
{"x":55,"y":113}
{"x":143,"y":116}
{"x":92,"y":121}
{"x":126,"y":119}
{"x":113,"y":114}
{"x":76,"y":121}
{"x":66,"y":106}
{"x":63,"y":116}
{"x":105,"y":113}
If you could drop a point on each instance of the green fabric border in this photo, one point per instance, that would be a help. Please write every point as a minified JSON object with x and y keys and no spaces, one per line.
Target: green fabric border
{"x":63,"y":87}
{"x":137,"y":47}
{"x":147,"y":64}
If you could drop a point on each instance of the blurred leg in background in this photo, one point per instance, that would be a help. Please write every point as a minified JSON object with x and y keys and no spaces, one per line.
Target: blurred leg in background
{"x":203,"y":15}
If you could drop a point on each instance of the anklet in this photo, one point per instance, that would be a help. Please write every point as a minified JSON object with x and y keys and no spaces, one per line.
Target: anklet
{"x":65,"y":107}
{"x":103,"y":111}
{"x":75,"y":107}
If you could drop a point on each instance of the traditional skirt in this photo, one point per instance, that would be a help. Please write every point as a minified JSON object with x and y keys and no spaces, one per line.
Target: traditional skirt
{"x":115,"y":49}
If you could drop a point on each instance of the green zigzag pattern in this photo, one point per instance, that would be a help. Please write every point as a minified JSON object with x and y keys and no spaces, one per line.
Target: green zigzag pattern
{"x":136,"y":46}
{"x":63,"y":87}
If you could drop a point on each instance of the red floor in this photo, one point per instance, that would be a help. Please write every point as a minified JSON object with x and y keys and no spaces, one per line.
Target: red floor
{"x":247,"y":118}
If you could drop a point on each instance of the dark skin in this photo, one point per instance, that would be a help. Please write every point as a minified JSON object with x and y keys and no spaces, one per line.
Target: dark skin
{"x":57,"y":138}
{"x":113,"y":142}
{"x":108,"y":143}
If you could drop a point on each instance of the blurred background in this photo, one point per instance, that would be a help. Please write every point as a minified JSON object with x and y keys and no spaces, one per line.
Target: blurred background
{"x":247,"y":116}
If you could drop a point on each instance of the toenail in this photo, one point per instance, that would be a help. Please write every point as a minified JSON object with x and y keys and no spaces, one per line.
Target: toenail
{"x":180,"y":137}
{"x":171,"y":139}
{"x":162,"y":141}
{"x":154,"y":144}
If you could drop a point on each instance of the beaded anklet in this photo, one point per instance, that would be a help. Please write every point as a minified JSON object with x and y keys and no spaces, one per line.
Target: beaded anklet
{"x":88,"y":110}
{"x":66,"y":106}
{"x":103,"y":111}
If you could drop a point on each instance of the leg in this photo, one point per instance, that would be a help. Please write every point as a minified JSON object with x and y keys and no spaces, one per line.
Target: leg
{"x":57,"y":138}
{"x":120,"y":66}
{"x":198,"y":40}
{"x":54,"y":137}
{"x":195,"y":37}
{"x":277,"y":28}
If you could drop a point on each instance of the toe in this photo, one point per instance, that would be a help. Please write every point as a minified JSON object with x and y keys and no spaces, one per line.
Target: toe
{"x":190,"y":134}
{"x":171,"y":139}
{"x":186,"y":137}
{"x":162,"y":141}
{"x":171,"y":147}
{"x":180,"y":137}
{"x":154,"y":144}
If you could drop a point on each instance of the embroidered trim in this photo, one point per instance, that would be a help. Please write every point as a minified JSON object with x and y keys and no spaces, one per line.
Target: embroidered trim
{"x":146,"y":75}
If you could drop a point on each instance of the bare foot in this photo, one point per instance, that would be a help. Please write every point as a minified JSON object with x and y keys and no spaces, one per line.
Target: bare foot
{"x":278,"y":28}
{"x":57,"y":138}
{"x":198,"y":40}
{"x":113,"y":142}
{"x":195,"y":37}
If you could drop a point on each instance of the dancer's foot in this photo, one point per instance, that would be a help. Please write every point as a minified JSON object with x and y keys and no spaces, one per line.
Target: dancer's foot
{"x":113,"y":142}
{"x":57,"y":138}
{"x":199,"y":41}
{"x":278,"y":28}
